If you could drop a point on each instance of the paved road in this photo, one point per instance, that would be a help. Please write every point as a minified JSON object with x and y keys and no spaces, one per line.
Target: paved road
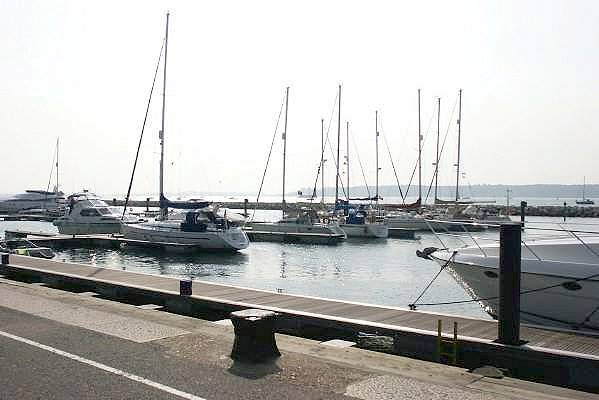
{"x":61,"y":345}
{"x":28,"y":372}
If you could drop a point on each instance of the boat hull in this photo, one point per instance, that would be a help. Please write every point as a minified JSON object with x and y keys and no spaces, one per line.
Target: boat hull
{"x":87,"y":228}
{"x":379,"y":231}
{"x":232,"y":239}
{"x":564,"y":300}
{"x":295,"y":232}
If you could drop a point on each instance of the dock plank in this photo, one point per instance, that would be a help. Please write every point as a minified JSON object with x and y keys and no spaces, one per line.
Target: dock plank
{"x":331,"y":309}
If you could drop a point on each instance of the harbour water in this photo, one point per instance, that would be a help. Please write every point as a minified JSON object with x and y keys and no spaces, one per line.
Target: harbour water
{"x":384,"y":272}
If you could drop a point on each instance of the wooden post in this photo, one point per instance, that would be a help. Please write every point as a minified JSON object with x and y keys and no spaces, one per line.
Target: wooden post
{"x":510,"y":253}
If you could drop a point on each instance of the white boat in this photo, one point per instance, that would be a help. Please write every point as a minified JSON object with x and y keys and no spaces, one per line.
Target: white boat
{"x":202,"y":229}
{"x":34,"y":200}
{"x":366,"y":230}
{"x":306,"y":227}
{"x":88,"y":215}
{"x":561,"y":276}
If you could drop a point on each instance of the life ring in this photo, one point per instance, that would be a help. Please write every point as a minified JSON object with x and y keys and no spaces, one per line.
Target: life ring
{"x":326,"y":220}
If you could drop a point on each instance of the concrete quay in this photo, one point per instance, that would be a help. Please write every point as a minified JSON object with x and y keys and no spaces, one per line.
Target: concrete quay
{"x":549,"y":356}
{"x":56,"y":344}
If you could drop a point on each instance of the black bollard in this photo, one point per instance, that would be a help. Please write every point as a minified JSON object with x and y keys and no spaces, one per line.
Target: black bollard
{"x":254,"y":336}
{"x":565,"y":210}
{"x":245,"y":207}
{"x":147,"y":204}
{"x":510,"y":253}
{"x":113,"y":201}
{"x":523,"y":205}
{"x":185,"y":288}
{"x":4,"y":259}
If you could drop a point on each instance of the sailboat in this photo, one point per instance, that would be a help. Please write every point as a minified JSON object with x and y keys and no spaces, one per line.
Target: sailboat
{"x":201,"y":228}
{"x":584,"y":200}
{"x":361,"y":221}
{"x":305,"y":225}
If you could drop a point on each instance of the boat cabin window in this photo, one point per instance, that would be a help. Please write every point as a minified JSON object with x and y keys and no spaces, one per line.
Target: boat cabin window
{"x":89,"y":212}
{"x":97,"y":203}
{"x":104,"y":211}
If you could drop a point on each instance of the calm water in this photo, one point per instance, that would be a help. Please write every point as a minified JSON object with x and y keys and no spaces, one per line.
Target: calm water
{"x":385,"y":272}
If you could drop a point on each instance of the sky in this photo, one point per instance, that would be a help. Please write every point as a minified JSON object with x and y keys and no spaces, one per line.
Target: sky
{"x":81,"y":71}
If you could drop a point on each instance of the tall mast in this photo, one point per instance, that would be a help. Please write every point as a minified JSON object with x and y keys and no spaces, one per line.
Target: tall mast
{"x":57,"y":142}
{"x":285,"y":146}
{"x":437,"y":159}
{"x":338,"y":141}
{"x":419,"y":154}
{"x":163,"y":208}
{"x":347,"y":155}
{"x":457,"y":175}
{"x":376,"y":130}
{"x":322,"y":159}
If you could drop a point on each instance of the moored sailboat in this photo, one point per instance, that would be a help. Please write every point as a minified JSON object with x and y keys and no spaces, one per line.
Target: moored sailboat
{"x":203,"y":228}
{"x":303,"y":225}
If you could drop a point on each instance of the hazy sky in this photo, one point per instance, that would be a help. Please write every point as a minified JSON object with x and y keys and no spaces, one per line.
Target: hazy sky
{"x":82,"y":71}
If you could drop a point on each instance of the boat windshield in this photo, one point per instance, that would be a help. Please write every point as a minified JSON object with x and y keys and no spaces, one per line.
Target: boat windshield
{"x":97,"y":203}
{"x":104,"y":211}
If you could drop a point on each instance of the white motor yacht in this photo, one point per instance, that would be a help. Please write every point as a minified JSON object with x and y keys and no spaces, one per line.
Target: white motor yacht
{"x":561,"y":277}
{"x":202,"y":229}
{"x":34,"y":200}
{"x":88,"y":215}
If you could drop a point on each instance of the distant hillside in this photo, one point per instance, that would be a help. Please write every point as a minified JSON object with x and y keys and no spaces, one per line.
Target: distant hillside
{"x":482,"y":191}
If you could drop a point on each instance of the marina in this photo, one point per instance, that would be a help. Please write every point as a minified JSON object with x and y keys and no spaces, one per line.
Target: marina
{"x":396,"y":203}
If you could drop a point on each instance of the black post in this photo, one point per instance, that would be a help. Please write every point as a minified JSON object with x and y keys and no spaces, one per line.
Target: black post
{"x":565,"y":210}
{"x":185,"y":288}
{"x":523,"y":205}
{"x":4,"y":259}
{"x":245,"y":207}
{"x":510,"y":252}
{"x":147,"y":204}
{"x":113,"y":201}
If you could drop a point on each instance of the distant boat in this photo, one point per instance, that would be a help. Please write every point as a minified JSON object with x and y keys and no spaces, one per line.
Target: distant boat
{"x":584,"y":200}
{"x":302,"y":225}
{"x":33,"y":199}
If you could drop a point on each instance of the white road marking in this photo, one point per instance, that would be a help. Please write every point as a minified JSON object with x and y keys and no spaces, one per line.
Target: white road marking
{"x":104,"y":367}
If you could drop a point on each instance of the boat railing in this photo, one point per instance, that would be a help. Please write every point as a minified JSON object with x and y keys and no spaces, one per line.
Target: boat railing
{"x":532,"y":234}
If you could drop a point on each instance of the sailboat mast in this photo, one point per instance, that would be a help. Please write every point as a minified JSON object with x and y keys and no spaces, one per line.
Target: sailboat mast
{"x":419,"y":154}
{"x":457,"y":176}
{"x":285,"y":146}
{"x":437,"y":159}
{"x":163,"y":208}
{"x":322,"y":159}
{"x":376,"y":130}
{"x":57,"y":143}
{"x":338,"y":142}
{"x":347,"y":156}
